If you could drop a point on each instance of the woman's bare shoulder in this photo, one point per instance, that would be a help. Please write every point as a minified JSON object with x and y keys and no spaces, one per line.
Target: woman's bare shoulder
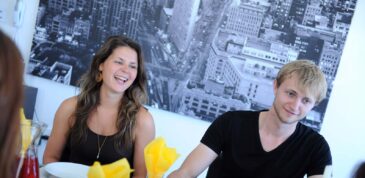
{"x":69,"y":102}
{"x":144,"y":113}
{"x":68,"y":105}
{"x":144,"y":118}
{"x":66,"y":109}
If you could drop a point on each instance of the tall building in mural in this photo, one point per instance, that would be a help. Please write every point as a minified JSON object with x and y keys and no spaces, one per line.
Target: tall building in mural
{"x":65,"y":5}
{"x":297,"y":10}
{"x":247,"y":65}
{"x":281,"y":10}
{"x":125,"y":17}
{"x":330,"y":59}
{"x":312,"y":10}
{"x":100,"y":15}
{"x":115,"y":18}
{"x":245,"y":19}
{"x":182,"y":22}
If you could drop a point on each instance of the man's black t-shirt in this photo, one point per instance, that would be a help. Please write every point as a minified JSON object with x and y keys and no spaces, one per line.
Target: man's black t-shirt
{"x":235,"y":137}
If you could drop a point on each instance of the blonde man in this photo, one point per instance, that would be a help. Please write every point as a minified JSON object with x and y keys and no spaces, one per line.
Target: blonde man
{"x":269,"y":143}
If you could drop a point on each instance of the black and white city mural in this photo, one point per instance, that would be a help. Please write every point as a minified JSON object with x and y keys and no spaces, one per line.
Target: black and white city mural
{"x":204,"y":57}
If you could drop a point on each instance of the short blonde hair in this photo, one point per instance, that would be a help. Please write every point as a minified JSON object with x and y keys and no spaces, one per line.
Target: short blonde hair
{"x":311,"y":78}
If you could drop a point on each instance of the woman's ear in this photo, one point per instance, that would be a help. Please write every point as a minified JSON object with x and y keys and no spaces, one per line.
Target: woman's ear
{"x":101,"y":66}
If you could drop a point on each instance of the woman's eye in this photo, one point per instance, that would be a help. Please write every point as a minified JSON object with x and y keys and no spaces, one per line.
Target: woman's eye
{"x":134,"y":67}
{"x":119,"y":62}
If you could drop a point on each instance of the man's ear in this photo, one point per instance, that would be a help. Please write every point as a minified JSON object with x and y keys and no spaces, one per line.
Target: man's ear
{"x":275,"y":86}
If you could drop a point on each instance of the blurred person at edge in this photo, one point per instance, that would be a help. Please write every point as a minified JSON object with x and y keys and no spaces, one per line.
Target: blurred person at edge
{"x":11,"y":97}
{"x":359,"y":171}
{"x":268,"y":143}
{"x":107,"y":120}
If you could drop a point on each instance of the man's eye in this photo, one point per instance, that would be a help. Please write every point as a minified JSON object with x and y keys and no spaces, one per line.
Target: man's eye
{"x":119,"y":62}
{"x":306,"y":101}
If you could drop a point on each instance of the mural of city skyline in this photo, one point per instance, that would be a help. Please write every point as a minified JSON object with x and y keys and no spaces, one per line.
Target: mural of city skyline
{"x":203,"y":57}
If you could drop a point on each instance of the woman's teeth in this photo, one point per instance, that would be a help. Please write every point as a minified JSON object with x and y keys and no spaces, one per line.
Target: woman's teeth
{"x":124,"y":79}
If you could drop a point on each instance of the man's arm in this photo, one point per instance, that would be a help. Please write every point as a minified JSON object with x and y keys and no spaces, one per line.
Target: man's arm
{"x":316,"y":176}
{"x":197,"y":161}
{"x":327,"y":173}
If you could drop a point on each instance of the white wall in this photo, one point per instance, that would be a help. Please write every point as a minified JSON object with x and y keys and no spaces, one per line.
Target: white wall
{"x":22,"y":35}
{"x":344,"y":123}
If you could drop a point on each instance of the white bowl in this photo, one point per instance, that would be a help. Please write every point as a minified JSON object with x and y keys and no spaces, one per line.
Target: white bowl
{"x":67,"y":170}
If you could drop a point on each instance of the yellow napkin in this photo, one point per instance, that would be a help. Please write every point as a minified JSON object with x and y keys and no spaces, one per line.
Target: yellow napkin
{"x":26,"y":131}
{"x":117,"y":169}
{"x":159,"y":157}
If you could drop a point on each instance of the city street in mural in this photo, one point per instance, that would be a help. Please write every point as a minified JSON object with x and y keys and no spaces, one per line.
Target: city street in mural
{"x":204,"y":57}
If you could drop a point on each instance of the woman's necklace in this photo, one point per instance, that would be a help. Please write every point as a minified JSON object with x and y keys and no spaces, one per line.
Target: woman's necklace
{"x":100,"y":146}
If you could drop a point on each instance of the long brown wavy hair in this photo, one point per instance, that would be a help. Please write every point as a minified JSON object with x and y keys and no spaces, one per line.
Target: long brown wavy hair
{"x":89,"y":98}
{"x":11,"y":97}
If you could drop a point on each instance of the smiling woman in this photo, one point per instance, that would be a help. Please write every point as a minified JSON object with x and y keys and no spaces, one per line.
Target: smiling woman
{"x":106,"y":121}
{"x":120,"y":69}
{"x":11,"y":95}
